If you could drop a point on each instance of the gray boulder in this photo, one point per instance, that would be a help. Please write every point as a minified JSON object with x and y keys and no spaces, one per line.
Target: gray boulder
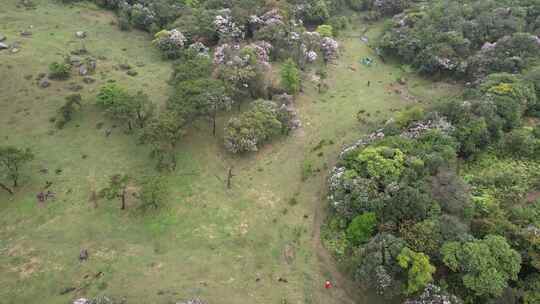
{"x":44,"y":83}
{"x":88,"y":80}
{"x":83,"y":70}
{"x":92,"y":64}
{"x":80,"y":34}
{"x":192,"y":301}
{"x":75,"y":60}
{"x":3,"y":46}
{"x":81,"y":301}
{"x":2,"y":37}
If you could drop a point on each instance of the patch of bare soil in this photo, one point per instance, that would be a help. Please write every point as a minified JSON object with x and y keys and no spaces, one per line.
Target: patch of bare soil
{"x":533,"y":197}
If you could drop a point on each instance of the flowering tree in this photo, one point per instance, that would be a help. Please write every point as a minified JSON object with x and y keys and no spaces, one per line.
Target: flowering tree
{"x":433,"y":294}
{"x":329,"y":49}
{"x":244,"y":69}
{"x":170,"y":43}
{"x":248,"y":131}
{"x":199,"y":48}
{"x":226,"y":28}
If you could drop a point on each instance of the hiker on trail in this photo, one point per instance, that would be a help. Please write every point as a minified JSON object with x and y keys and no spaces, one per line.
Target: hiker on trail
{"x":41,"y":197}
{"x":327,"y":285}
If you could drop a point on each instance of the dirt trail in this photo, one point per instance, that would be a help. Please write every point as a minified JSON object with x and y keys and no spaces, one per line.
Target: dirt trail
{"x":327,"y":263}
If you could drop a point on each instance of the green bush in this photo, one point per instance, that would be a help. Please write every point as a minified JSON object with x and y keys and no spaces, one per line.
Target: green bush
{"x":419,"y":269}
{"x":519,"y":143}
{"x":59,"y":70}
{"x":249,"y":130}
{"x":338,"y":23}
{"x":307,"y":169}
{"x":406,"y":117}
{"x":290,"y":77}
{"x":110,"y":94}
{"x":191,"y":69}
{"x":325,"y":30}
{"x":361,"y":228}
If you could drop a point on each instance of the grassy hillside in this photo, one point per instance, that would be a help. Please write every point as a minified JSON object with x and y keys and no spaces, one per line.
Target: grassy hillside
{"x":226,"y":246}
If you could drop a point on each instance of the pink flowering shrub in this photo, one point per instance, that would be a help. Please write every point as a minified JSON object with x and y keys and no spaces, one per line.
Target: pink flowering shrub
{"x":170,"y":43}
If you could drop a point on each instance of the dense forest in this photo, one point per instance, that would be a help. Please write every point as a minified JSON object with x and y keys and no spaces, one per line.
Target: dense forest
{"x":438,"y":204}
{"x":441,"y":204}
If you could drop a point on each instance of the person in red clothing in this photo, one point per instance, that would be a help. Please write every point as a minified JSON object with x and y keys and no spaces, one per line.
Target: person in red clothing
{"x":327,"y":285}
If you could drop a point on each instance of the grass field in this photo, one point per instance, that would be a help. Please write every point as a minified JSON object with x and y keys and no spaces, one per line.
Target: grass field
{"x":225,"y":246}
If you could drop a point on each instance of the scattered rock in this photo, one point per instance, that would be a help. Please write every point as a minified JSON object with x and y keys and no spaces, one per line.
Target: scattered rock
{"x":283,"y":99}
{"x":92,"y":64}
{"x":99,"y":125}
{"x":192,"y":301}
{"x":402,"y":81}
{"x":83,"y":255}
{"x":58,"y":171}
{"x":75,"y":60}
{"x":75,"y":87}
{"x":3,"y":46}
{"x":88,"y":80}
{"x":83,"y":70}
{"x":80,"y":34}
{"x":44,"y":170}
{"x":40,"y":76}
{"x":26,"y":33}
{"x":2,"y":37}
{"x":81,"y":51}
{"x":288,"y":253}
{"x":28,"y":77}
{"x":282,"y":280}
{"x":15,"y":50}
{"x":81,"y":301}
{"x":44,"y":83}
{"x":67,"y":290}
{"x":108,"y":132}
{"x":124,"y":66}
{"x":132,"y":73}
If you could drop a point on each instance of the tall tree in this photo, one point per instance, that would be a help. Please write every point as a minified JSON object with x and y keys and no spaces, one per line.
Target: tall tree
{"x":163,"y":133}
{"x":485,"y":265}
{"x":119,"y":104}
{"x":142,"y":109}
{"x":203,"y":97}
{"x":153,"y":191}
{"x":290,"y":77}
{"x":11,"y":161}
{"x":419,"y":270}
{"x":117,"y":188}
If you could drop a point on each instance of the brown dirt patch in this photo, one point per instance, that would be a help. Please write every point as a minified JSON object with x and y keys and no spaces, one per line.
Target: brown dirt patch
{"x":532,"y":197}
